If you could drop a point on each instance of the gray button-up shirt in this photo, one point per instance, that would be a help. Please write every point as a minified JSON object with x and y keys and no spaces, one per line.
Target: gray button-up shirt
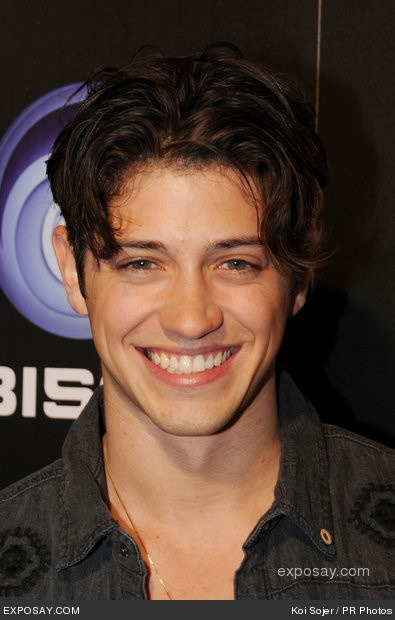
{"x":330,"y":533}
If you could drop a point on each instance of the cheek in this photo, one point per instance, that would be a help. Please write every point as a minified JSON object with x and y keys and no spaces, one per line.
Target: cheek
{"x":118,"y":311}
{"x":264,"y":313}
{"x":107,"y":311}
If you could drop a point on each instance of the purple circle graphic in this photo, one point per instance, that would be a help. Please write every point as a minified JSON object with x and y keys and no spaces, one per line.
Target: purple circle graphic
{"x":29,"y":275}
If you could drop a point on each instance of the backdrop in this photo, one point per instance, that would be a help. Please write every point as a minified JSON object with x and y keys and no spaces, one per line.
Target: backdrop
{"x":341,"y":347}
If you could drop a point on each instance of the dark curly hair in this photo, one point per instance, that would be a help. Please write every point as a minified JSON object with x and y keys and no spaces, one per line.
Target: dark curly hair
{"x":208,"y":109}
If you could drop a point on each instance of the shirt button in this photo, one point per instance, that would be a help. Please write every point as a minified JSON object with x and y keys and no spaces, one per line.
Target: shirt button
{"x":326,"y":537}
{"x":124,"y":550}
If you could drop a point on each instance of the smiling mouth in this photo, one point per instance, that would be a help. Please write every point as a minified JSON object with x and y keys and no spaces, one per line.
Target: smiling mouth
{"x":188,"y":364}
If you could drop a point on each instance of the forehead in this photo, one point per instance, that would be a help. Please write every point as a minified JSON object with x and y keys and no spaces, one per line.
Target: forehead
{"x":188,"y":202}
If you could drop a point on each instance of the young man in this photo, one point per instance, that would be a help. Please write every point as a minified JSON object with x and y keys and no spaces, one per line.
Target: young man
{"x":191,"y":190}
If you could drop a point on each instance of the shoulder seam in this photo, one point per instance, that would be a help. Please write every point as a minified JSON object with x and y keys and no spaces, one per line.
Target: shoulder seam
{"x":29,"y":485}
{"x":361,"y":441}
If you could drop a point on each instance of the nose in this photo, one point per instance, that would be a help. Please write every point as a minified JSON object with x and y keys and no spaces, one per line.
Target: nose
{"x":190,"y":311}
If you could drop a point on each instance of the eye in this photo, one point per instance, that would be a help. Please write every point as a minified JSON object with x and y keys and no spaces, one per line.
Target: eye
{"x":139,"y":264}
{"x":238,"y":264}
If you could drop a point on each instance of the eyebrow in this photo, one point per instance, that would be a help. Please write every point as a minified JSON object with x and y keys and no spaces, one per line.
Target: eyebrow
{"x":236,"y":242}
{"x":143,"y":245}
{"x":233,"y":242}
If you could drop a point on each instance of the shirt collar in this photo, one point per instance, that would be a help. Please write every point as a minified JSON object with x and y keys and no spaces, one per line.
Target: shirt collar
{"x":302,"y":491}
{"x":84,"y":516}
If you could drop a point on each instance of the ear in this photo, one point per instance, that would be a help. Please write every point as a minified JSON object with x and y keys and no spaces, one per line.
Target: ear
{"x":68,"y":269}
{"x":298,"y":300}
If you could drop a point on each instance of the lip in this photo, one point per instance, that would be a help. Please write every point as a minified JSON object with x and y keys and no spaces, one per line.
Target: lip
{"x":175,"y":369}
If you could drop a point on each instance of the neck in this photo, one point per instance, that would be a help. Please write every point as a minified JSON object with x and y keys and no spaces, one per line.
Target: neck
{"x":168,"y":472}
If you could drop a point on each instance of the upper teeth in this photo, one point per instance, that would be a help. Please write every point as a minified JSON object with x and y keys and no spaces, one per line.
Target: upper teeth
{"x":188,"y":364}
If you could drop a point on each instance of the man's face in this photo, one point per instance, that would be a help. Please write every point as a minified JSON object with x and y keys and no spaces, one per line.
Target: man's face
{"x":188,"y":317}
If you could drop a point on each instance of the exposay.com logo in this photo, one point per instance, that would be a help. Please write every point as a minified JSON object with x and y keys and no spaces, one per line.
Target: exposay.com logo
{"x":29,"y":275}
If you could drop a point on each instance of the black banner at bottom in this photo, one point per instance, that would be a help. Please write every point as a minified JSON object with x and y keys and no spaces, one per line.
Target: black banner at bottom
{"x":253,"y":610}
